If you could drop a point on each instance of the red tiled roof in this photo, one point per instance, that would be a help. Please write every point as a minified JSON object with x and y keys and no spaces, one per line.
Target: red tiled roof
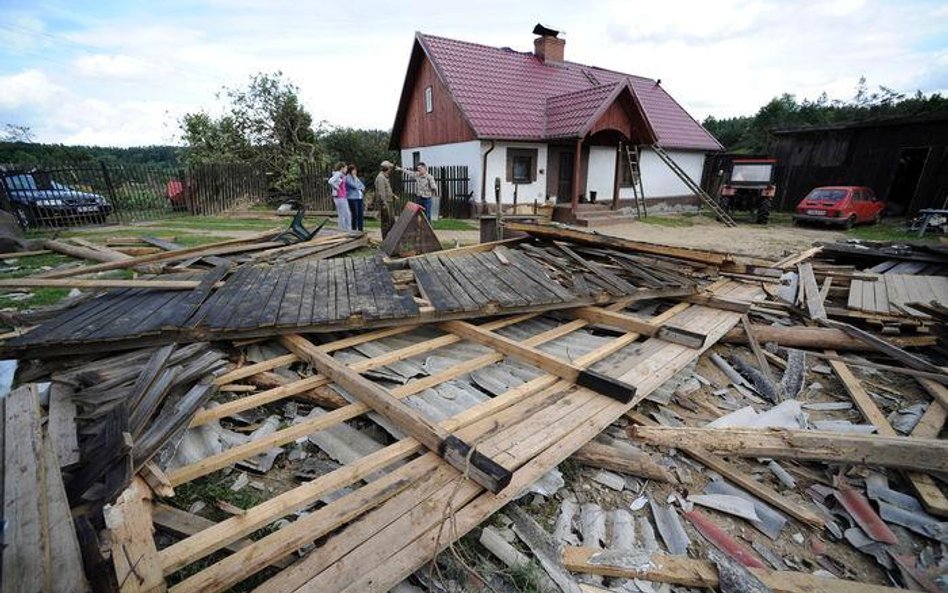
{"x":569,"y":115}
{"x":505,"y":94}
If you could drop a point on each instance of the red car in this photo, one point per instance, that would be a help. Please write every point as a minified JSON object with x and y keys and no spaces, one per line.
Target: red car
{"x":844,"y":205}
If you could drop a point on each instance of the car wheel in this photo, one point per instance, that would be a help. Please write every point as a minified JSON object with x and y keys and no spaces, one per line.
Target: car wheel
{"x":850,"y":222}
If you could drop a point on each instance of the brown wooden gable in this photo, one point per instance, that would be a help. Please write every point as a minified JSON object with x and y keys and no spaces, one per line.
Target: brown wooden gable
{"x":445,"y":123}
{"x":623,"y":115}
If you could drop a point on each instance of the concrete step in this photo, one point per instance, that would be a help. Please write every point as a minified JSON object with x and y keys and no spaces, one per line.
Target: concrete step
{"x":601,"y":221}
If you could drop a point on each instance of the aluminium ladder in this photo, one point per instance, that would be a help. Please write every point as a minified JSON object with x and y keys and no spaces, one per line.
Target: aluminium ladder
{"x":707,"y":200}
{"x":632,"y":155}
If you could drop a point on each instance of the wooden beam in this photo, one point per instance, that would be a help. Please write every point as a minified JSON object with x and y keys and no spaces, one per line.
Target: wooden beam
{"x":633,"y":462}
{"x":814,"y":300}
{"x":929,"y":492}
{"x":29,"y":282}
{"x":16,"y":254}
{"x":629,"y":323}
{"x":681,"y":570}
{"x":552,"y":233}
{"x":597,"y":382}
{"x":741,"y":478}
{"x":812,"y":445}
{"x":80,"y":252}
{"x":26,"y":558}
{"x":758,"y":352}
{"x":137,"y":567}
{"x":814,"y":338}
{"x":456,"y":452}
{"x":217,"y":248}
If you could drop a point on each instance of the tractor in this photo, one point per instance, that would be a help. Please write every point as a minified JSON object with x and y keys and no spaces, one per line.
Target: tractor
{"x":749,"y":186}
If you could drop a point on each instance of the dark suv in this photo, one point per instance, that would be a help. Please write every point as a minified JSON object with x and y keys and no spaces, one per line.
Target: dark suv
{"x":36,"y":200}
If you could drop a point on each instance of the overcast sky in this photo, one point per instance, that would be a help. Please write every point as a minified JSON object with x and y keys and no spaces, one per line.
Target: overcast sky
{"x":122,"y":73}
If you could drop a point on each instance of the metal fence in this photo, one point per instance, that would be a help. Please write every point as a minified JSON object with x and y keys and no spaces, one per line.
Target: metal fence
{"x":99,"y":193}
{"x":453,"y":184}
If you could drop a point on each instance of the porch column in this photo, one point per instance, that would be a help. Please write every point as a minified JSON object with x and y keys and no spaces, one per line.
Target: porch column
{"x":577,"y":158}
{"x":616,"y":177}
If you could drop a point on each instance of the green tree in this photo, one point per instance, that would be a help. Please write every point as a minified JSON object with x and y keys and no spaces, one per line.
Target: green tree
{"x":264,"y":123}
{"x":366,"y":148}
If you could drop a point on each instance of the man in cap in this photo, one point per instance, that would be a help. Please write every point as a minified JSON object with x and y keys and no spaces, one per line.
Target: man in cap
{"x":384,"y":196}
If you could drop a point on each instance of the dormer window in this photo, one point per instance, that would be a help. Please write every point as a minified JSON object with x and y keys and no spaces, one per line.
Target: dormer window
{"x":428,"y":105}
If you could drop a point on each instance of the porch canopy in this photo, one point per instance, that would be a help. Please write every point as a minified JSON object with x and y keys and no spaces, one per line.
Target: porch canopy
{"x":608,"y":114}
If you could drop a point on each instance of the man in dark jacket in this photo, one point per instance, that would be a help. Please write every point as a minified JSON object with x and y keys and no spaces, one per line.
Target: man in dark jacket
{"x":385,"y":196}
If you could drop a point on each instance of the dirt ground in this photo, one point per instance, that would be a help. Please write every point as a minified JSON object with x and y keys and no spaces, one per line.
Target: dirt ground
{"x":769,"y":242}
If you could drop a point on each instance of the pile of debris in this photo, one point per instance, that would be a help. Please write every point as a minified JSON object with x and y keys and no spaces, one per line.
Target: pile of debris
{"x":561,"y":411}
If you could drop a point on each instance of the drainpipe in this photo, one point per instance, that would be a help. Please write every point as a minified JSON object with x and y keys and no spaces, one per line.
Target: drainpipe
{"x":484,"y":178}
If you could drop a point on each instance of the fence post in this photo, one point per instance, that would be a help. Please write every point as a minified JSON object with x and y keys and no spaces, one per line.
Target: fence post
{"x":111,"y":189}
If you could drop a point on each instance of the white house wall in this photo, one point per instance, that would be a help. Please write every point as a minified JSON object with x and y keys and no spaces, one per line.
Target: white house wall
{"x":457,"y":154}
{"x":659,"y":181}
{"x":602,"y":172}
{"x":497,"y":167}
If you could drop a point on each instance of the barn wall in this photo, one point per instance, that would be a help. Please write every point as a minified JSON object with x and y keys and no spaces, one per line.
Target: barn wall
{"x":444,"y":124}
{"x":861,"y":156}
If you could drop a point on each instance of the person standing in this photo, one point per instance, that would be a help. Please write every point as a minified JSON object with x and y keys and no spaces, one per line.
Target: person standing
{"x":425,"y":186}
{"x":355,"y":190}
{"x":385,"y":196}
{"x":339,"y":195}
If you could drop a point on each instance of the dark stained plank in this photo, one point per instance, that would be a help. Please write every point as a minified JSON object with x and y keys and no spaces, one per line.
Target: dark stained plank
{"x":291,"y":304}
{"x":533,"y":270}
{"x":323,"y":298}
{"x":220,"y":295}
{"x":246,"y":311}
{"x":60,"y":326}
{"x":532,"y":284}
{"x":126,"y":314}
{"x":515,"y":290}
{"x":357,"y":304}
{"x":386,"y":307}
{"x":495,"y":287}
{"x":238,"y":292}
{"x":366,"y":284}
{"x":468,"y":284}
{"x":343,"y":310}
{"x":309,"y":293}
{"x":466,"y":302}
{"x":274,"y":299}
{"x":432,"y":288}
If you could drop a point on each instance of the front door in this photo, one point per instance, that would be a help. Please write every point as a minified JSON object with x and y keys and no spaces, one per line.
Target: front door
{"x":564,"y":178}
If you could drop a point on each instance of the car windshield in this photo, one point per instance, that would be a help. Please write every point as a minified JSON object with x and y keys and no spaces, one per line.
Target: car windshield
{"x":751,"y":172}
{"x":827,"y":195}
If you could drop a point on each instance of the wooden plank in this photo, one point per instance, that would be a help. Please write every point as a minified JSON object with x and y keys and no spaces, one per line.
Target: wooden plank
{"x":884,"y":346}
{"x":814,"y":302}
{"x":160,"y":243}
{"x":597,"y":240}
{"x":183,"y":523}
{"x":26,"y":553}
{"x":29,"y":282}
{"x":900,"y":452}
{"x":758,"y":351}
{"x":880,"y":295}
{"x":272,"y":299}
{"x":633,"y":462}
{"x":310,"y":293}
{"x":596,"y":381}
{"x":681,"y":570}
{"x":85,"y":252}
{"x":61,"y":424}
{"x":341,"y":288}
{"x":292,"y":302}
{"x":432,"y":288}
{"x":217,"y":248}
{"x":67,"y":574}
{"x":137,"y":566}
{"x":742,"y":479}
{"x":455,"y":451}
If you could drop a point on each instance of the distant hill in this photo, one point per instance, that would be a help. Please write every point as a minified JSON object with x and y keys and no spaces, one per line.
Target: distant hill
{"x":32,"y":153}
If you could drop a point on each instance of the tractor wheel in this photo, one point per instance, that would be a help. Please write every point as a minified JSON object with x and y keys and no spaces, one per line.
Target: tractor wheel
{"x":850,"y":222}
{"x":763,"y":211}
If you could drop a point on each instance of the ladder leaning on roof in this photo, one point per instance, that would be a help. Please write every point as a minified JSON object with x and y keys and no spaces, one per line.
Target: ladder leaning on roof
{"x":633,"y":157}
{"x":707,"y":200}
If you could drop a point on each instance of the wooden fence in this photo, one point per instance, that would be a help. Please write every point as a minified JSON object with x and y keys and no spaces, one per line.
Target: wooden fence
{"x":453,"y":183}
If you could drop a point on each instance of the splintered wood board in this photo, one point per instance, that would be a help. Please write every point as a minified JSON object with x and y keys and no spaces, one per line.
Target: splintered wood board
{"x":890,"y":293}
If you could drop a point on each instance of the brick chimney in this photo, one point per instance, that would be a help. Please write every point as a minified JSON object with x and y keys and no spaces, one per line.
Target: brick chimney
{"x":548,"y":46}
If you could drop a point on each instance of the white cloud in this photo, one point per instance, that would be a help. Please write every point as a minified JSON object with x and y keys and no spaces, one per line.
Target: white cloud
{"x":30,"y":89}
{"x":110,"y":66}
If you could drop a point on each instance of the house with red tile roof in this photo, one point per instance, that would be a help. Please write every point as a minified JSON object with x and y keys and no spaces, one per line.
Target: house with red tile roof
{"x":546,"y":127}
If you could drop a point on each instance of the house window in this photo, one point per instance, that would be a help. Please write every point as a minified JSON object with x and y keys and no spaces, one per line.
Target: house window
{"x":415,"y":159}
{"x":428,"y":105}
{"x":521,"y":165}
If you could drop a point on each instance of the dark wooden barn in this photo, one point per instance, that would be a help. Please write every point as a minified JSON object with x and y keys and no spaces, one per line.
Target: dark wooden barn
{"x":904,"y":160}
